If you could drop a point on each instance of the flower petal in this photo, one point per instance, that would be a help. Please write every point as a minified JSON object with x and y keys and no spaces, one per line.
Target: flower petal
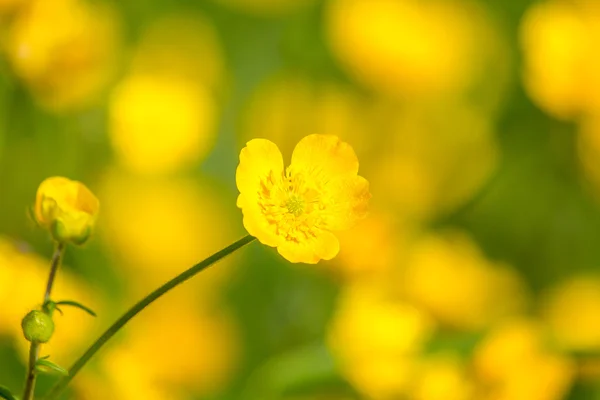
{"x":258,"y":159}
{"x":56,"y":187}
{"x":324,"y":247}
{"x":324,"y":156}
{"x":255,"y":222}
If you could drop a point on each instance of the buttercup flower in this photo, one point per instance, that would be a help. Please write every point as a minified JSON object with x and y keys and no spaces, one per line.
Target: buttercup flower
{"x":298,"y":209}
{"x":67,"y":208}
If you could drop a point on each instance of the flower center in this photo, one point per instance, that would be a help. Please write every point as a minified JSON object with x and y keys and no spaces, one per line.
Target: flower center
{"x":295,"y":205}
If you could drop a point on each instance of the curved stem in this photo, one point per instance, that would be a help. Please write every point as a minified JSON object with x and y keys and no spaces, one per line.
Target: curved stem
{"x":34,"y":348}
{"x":60,"y":386}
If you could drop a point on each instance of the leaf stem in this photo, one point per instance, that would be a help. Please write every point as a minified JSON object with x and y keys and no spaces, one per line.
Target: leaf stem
{"x":60,"y":386}
{"x":34,"y":348}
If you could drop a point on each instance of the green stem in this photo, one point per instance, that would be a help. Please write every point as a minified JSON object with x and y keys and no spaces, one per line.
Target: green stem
{"x":60,"y":386}
{"x":34,"y":348}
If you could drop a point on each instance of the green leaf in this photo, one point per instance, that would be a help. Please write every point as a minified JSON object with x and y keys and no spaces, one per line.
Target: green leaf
{"x":6,"y":394}
{"x":45,"y":365}
{"x":76,"y":305}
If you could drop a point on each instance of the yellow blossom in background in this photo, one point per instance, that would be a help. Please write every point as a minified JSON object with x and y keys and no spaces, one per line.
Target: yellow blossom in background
{"x":175,"y":348}
{"x":442,"y":377}
{"x":297,"y":210}
{"x":159,"y":124}
{"x":23,"y":277}
{"x":163,"y":114}
{"x":64,"y":50}
{"x":266,"y":7}
{"x":376,"y":340}
{"x":450,"y":277}
{"x":438,"y":155}
{"x":513,"y":363}
{"x":405,"y":48}
{"x":559,"y":39}
{"x":156,"y":227}
{"x":68,"y":209}
{"x":572,"y":311}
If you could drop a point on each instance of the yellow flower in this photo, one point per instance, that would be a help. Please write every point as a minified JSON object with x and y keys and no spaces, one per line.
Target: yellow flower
{"x":377,"y":339}
{"x":67,"y":208}
{"x":64,"y":51}
{"x":408,"y":48}
{"x":515,"y":362}
{"x":572,"y":312}
{"x":449,"y":276}
{"x":559,"y":41}
{"x":297,"y":209}
{"x":154,"y":360}
{"x":160,"y":124}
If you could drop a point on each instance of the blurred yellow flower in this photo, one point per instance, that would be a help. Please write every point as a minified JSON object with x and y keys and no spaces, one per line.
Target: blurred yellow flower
{"x":514,"y":363}
{"x":442,"y":377}
{"x":64,"y":50}
{"x":175,"y":347}
{"x":410,"y":47}
{"x":297,"y":210}
{"x":376,"y":340}
{"x":161,"y":123}
{"x":572,"y":311}
{"x":559,"y":39}
{"x":68,"y":209}
{"x":437,"y":155}
{"x":30,"y":272}
{"x":163,"y":114}
{"x":157,"y":226}
{"x":450,"y":277}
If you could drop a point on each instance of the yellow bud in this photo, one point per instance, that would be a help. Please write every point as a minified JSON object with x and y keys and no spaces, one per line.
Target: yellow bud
{"x":68,"y":209}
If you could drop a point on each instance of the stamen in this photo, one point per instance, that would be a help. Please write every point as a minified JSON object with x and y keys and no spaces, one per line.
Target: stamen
{"x":295,"y":205}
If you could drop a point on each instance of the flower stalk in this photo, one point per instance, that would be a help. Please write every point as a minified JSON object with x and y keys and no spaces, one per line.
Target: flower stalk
{"x":60,"y":386}
{"x":34,"y":348}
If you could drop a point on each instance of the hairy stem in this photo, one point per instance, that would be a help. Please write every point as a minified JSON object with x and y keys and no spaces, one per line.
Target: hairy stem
{"x":34,"y":348}
{"x":60,"y":386}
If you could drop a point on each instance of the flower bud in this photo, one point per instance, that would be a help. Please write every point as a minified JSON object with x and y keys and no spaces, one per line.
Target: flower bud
{"x":68,"y":209}
{"x":37,"y":326}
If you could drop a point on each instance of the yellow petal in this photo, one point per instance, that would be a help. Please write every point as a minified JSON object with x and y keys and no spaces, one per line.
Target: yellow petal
{"x":324,"y":247}
{"x":346,"y":202}
{"x":86,"y":201}
{"x":56,"y":187}
{"x":258,"y":160}
{"x":256,"y":223}
{"x":324,"y":156}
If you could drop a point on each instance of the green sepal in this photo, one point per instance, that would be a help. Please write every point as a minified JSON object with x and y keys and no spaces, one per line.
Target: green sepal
{"x":76,"y":305}
{"x":83,"y":238}
{"x":6,"y":394}
{"x":45,"y":365}
{"x":49,"y":306}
